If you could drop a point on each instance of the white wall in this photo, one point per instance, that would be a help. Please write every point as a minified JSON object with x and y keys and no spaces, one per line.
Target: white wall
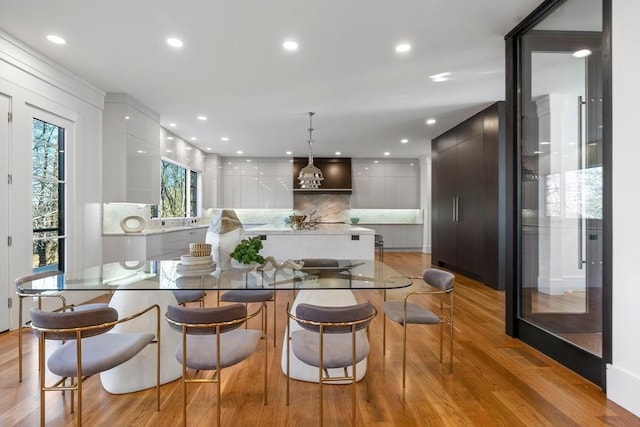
{"x":623,"y":374}
{"x":33,"y":82}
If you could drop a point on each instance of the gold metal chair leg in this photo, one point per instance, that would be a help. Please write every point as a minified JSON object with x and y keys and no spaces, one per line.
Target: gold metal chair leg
{"x":404,"y":354}
{"x":20,"y":338}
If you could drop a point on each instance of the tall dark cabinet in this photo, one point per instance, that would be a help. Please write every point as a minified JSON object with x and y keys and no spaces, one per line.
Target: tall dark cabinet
{"x":465,"y":196}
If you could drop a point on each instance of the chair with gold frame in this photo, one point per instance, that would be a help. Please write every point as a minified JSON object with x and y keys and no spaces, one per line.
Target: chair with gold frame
{"x":212,"y":340}
{"x":331,"y":337}
{"x":90,"y":348}
{"x":405,"y":313}
{"x":40,"y":295}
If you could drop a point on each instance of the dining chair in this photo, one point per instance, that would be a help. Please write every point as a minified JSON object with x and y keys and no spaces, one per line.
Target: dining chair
{"x":40,"y":295}
{"x":90,"y":348}
{"x":247,"y":296}
{"x":212,"y":340}
{"x":184,"y":296}
{"x":331,"y":337}
{"x":405,"y":313}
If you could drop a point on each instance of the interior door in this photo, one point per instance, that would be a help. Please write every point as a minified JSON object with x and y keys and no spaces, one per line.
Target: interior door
{"x":5,"y":280}
{"x":561,"y":189}
{"x":445,"y":169}
{"x":469,"y":213}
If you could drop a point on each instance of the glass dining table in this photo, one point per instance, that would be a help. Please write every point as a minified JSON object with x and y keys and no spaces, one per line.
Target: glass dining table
{"x":135,"y":285}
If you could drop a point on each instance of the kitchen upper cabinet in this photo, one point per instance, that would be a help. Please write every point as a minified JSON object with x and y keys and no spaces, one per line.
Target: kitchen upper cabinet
{"x":257,"y":184}
{"x":386,"y":184}
{"x":130,"y":151}
{"x":465,"y":196}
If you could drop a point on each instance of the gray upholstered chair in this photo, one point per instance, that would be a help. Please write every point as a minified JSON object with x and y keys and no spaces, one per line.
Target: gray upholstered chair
{"x":184,"y":296}
{"x":331,"y":337}
{"x":90,"y":348}
{"x":212,"y":340}
{"x":405,"y":313}
{"x":254,"y":294}
{"x":40,"y":295}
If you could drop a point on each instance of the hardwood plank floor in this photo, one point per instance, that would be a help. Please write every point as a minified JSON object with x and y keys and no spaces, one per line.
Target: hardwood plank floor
{"x":497,"y":381}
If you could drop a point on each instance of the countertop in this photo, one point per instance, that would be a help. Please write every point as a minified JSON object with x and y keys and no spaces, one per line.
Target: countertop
{"x":345,"y":229}
{"x":151,"y":231}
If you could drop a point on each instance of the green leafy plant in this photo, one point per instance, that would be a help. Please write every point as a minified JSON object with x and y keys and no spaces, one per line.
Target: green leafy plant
{"x":248,"y":251}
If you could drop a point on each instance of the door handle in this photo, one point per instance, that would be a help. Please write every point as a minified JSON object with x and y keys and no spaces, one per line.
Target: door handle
{"x":456,"y":207}
{"x":581,"y":164}
{"x":453,"y":209}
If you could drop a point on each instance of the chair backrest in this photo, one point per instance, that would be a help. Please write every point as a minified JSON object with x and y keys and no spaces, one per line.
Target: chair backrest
{"x":345,"y":316}
{"x":440,"y":279}
{"x":227,"y":316}
{"x":319,"y":262}
{"x":35,"y":276}
{"x":68,"y":320}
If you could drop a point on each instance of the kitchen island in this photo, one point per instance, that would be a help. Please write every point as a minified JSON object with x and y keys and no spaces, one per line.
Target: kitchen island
{"x":337,"y":241}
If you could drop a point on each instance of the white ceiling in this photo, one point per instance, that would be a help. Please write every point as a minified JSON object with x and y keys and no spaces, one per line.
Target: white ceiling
{"x":233,"y":69}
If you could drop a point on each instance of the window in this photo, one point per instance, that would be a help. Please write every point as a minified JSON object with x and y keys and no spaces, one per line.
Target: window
{"x":178,"y":191}
{"x":48,"y":191}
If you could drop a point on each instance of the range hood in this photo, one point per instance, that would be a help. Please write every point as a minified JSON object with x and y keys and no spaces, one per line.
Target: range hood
{"x":336,"y":172}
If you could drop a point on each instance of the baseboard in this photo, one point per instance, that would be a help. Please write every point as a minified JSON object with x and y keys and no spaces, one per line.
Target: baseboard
{"x":623,"y":388}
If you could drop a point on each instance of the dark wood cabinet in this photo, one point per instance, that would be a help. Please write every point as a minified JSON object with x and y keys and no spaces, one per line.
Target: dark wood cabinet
{"x":465,"y":196}
{"x":336,"y":173}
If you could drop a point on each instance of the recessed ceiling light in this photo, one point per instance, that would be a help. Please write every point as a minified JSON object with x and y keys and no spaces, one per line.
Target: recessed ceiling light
{"x":141,"y":152}
{"x":202,"y":118}
{"x":239,"y":152}
{"x":174,"y":42}
{"x":431,"y":121}
{"x":538,"y":152}
{"x":386,"y":153}
{"x":376,"y":161}
{"x":126,"y":117}
{"x":290,"y":45}
{"x":170,"y":138}
{"x":56,"y":39}
{"x":442,"y":77}
{"x":193,"y":138}
{"x":209,"y":148}
{"x":403,"y":48}
{"x":248,"y":160}
{"x":582,"y":53}
{"x":188,"y":147}
{"x":288,"y":153}
{"x":404,"y":141}
{"x":545,"y":143}
{"x":172,"y":125}
{"x":338,"y":153}
{"x":224,"y":138}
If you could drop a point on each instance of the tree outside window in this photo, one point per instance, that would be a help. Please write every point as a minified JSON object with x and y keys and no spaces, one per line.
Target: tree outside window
{"x":178,"y":191}
{"x":48,"y":195}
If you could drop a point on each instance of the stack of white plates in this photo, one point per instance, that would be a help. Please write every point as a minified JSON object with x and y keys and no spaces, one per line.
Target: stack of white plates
{"x":195,"y":265}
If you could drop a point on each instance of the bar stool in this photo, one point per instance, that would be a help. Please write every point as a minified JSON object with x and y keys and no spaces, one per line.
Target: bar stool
{"x":379,"y":245}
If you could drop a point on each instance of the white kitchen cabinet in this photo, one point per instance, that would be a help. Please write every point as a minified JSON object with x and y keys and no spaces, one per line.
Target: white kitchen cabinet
{"x":130,"y":151}
{"x":258,"y":184}
{"x":399,"y":236}
{"x":161,"y":245}
{"x":385,"y":184}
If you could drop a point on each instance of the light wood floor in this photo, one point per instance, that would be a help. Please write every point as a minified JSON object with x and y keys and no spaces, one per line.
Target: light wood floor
{"x":497,"y":381}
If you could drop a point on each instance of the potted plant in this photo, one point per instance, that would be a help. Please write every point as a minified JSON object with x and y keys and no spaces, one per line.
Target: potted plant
{"x":247,"y":252}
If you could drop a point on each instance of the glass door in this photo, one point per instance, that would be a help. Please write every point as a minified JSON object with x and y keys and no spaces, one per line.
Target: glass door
{"x":560,"y":283}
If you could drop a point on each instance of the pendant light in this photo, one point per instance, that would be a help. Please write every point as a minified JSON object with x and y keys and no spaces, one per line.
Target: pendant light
{"x":310,"y":176}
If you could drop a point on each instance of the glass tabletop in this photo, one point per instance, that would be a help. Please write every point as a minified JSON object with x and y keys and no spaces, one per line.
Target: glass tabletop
{"x":167,"y":275}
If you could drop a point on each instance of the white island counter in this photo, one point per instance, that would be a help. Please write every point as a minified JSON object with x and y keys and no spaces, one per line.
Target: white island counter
{"x":338,"y":241}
